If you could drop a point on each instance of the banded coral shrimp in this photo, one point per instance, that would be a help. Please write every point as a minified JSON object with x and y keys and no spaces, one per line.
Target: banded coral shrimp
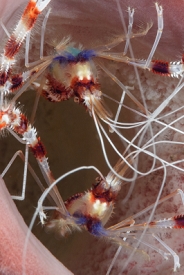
{"x":78,"y":160}
{"x":91,"y":211}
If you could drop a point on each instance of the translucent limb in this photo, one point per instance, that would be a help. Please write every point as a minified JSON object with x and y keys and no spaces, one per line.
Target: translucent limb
{"x":143,"y":130}
{"x":131,"y":17}
{"x":4,"y":28}
{"x":150,"y":217}
{"x":143,"y":149}
{"x":119,"y":107}
{"x":101,"y":50}
{"x":128,"y":36}
{"x":31,"y":170}
{"x":174,"y":68}
{"x":152,"y":118}
{"x":161,"y":252}
{"x":38,"y":93}
{"x":125,"y":159}
{"x":130,"y":190}
{"x":16,"y":136}
{"x":117,"y":254}
{"x":41,"y":4}
{"x":164,"y":104}
{"x":49,"y":180}
{"x":120,"y":84}
{"x":157,"y":120}
{"x":114,"y":260}
{"x":120,"y":57}
{"x":123,"y":243}
{"x":135,"y":216}
{"x":105,"y":155}
{"x":159,"y":34}
{"x":39,"y":70}
{"x":22,"y":196}
{"x":27,"y":64}
{"x":175,"y":256}
{"x":23,"y":158}
{"x":26,"y":165}
{"x":43,"y":33}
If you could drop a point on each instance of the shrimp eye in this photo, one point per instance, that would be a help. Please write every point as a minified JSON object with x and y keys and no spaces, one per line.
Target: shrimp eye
{"x":76,"y":99}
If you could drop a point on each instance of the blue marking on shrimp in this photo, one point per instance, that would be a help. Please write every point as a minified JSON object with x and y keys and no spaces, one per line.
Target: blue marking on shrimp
{"x":93,"y":225}
{"x":74,"y":55}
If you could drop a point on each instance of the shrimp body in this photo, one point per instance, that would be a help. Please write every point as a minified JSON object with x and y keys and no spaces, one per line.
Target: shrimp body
{"x":90,"y":210}
{"x":73,"y":74}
